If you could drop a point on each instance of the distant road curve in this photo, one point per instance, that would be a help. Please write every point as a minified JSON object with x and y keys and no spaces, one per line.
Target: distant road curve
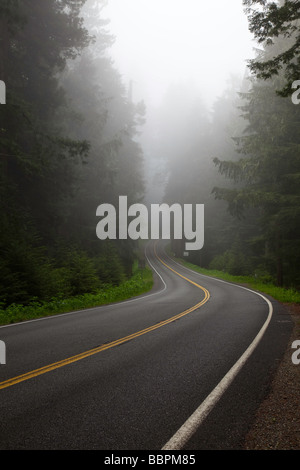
{"x":183,"y":367}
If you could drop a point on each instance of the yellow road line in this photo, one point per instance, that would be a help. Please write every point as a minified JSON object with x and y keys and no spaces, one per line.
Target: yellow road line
{"x":104,"y":347}
{"x":183,"y":277}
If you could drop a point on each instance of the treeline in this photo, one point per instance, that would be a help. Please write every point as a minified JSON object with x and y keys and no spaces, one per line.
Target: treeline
{"x":242,"y":160}
{"x":67,"y":144}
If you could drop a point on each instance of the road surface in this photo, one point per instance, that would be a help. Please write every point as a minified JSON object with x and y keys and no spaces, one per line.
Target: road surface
{"x":183,"y":367}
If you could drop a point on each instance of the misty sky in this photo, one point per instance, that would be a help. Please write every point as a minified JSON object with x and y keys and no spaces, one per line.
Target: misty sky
{"x":160,"y":42}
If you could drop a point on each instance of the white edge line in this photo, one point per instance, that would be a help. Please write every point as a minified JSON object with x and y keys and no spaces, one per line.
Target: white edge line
{"x":52,"y":317}
{"x":196,"y":419}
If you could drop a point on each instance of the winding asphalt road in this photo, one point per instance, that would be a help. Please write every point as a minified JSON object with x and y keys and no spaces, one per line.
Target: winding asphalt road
{"x":183,"y":367}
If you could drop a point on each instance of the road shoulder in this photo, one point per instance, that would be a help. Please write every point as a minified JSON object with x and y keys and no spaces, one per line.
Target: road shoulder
{"x":277,"y":421}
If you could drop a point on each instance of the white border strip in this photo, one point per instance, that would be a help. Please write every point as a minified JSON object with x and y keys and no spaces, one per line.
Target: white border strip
{"x":186,"y":431}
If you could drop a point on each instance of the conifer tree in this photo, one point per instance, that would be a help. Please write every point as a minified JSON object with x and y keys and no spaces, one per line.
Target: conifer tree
{"x":267,"y":175}
{"x":269,"y":21}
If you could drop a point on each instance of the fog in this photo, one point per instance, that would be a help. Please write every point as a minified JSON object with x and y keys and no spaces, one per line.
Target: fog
{"x":142,"y":99}
{"x":160,"y":42}
{"x":173,"y":55}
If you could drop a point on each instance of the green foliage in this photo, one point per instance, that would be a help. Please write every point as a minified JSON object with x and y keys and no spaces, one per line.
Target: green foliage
{"x":257,"y":282}
{"x":247,"y":160}
{"x":81,"y":273}
{"x":264,"y":178}
{"x":235,"y":263}
{"x":109,"y":266}
{"x":67,"y":145}
{"x":141,"y":282}
{"x":273,"y":21}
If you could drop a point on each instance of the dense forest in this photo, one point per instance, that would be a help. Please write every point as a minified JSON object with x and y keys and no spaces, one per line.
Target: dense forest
{"x":70,"y":140}
{"x":67,"y":144}
{"x":249,"y":153}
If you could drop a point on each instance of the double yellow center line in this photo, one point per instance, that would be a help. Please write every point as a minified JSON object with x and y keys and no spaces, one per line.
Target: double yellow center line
{"x":104,"y":347}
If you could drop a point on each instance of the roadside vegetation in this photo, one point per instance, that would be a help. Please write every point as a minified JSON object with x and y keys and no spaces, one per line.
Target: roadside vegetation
{"x":68,"y":144}
{"x":140,"y":282}
{"x":73,"y":142}
{"x":284,"y":295}
{"x":242,"y":159}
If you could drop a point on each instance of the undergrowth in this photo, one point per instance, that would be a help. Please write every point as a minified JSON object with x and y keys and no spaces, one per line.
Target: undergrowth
{"x":139,"y":283}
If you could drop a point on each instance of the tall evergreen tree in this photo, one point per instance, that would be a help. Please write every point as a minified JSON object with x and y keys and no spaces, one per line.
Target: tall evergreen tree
{"x":67,"y":144}
{"x":37,"y":156}
{"x":266,"y":178}
{"x":271,"y":21}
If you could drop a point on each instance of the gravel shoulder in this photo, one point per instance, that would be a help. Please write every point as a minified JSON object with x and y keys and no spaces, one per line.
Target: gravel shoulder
{"x":277,"y":422}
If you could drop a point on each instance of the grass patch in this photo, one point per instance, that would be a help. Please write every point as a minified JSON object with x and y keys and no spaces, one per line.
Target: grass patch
{"x":290,"y":296}
{"x":140,"y":282}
